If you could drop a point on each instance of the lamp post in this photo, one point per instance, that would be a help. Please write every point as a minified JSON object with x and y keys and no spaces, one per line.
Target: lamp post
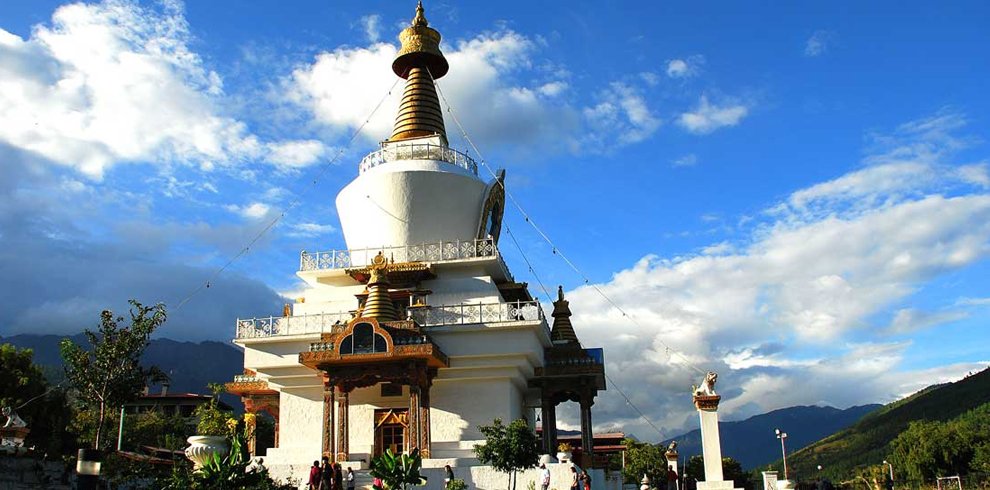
{"x":783,"y":448}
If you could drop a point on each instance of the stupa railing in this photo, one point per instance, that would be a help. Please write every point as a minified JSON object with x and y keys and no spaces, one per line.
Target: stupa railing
{"x":418,"y":151}
{"x":423,"y":252}
{"x":431,"y":316}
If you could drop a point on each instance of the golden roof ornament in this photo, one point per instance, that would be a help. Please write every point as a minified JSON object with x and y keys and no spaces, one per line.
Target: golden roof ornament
{"x":379,"y":303}
{"x":420,"y":62}
{"x":562,"y":330}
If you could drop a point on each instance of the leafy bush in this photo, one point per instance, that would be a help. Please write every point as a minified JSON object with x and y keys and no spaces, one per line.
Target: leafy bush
{"x":397,"y":471}
{"x":212,"y":420}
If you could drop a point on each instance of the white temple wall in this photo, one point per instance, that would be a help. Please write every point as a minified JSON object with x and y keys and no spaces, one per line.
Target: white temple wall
{"x":462,"y":285}
{"x":259,"y":355}
{"x":327,"y":299}
{"x":410,"y":202}
{"x":300,"y":426}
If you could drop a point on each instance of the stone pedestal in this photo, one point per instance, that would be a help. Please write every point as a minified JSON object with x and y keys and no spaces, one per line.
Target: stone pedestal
{"x":711,"y":446}
{"x":769,"y":480}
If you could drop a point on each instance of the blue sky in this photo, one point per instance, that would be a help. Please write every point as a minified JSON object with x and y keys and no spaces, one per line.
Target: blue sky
{"x":796,"y":196}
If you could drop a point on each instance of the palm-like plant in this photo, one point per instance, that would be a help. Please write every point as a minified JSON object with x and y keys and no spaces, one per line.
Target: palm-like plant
{"x":397,"y":471}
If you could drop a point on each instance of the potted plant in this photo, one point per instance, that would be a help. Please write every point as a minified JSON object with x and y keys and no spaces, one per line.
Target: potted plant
{"x":212,"y":430}
{"x":564,"y":452}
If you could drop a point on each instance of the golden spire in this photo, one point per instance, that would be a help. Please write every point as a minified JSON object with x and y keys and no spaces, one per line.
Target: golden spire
{"x":420,"y":62}
{"x":562,"y":329}
{"x":379,"y":303}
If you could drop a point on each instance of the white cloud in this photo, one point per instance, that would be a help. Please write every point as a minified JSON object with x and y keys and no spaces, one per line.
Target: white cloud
{"x":908,"y":320}
{"x":254,"y":210}
{"x":904,"y":163}
{"x":819,"y":43}
{"x":685,"y":68}
{"x":343,"y":87}
{"x":688,"y":160}
{"x":622,"y":112}
{"x":775,"y":315}
{"x":372,"y":27}
{"x":552,"y":89}
{"x":308,"y":230}
{"x":973,"y":302}
{"x":296,"y":153}
{"x":114,"y":82}
{"x":708,"y":117}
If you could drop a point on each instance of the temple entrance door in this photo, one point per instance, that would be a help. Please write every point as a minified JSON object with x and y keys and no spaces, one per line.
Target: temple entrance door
{"x":391,"y":430}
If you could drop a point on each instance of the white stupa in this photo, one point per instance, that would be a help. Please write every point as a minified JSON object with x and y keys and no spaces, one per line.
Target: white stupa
{"x":416,"y":333}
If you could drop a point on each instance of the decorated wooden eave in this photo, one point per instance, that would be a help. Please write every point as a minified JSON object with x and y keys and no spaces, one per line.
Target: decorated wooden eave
{"x":249,"y":384}
{"x":366,"y":340}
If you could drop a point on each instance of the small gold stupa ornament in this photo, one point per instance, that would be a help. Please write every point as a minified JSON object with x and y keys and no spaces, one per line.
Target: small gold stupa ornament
{"x":420,"y":62}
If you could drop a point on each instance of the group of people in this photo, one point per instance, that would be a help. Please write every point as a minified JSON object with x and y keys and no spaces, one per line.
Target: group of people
{"x":330,"y":476}
{"x":580,"y":479}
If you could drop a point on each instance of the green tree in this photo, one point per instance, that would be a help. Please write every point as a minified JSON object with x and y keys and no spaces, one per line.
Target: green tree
{"x":110,"y":374}
{"x":397,"y":471}
{"x":508,"y":449}
{"x":644,"y":459}
{"x":731,"y":470}
{"x":23,"y":387}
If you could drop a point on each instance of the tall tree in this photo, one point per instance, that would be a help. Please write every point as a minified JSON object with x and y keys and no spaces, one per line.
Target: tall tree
{"x":508,"y":449}
{"x":644,"y":459}
{"x":110,"y":374}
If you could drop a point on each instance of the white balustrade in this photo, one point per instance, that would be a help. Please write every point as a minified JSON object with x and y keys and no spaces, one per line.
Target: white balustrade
{"x":432,"y":316}
{"x":418,"y":151}
{"x":423,"y":252}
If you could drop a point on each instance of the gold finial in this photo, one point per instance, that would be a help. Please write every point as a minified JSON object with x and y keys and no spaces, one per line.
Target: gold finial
{"x":562,"y":328}
{"x":379,"y":303}
{"x":420,"y":19}
{"x":420,"y":62}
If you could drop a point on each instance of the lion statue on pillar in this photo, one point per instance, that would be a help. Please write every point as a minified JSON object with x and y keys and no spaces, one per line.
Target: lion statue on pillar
{"x":707,"y":387}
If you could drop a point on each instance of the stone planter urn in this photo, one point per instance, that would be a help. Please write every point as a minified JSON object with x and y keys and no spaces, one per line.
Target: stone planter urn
{"x":564,"y":456}
{"x":202,"y":448}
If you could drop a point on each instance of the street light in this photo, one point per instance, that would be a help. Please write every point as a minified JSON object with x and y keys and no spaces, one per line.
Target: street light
{"x":783,"y":449}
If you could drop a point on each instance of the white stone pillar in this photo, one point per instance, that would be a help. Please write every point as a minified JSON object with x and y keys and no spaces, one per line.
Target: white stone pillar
{"x":711,"y":446}
{"x":706,"y":401}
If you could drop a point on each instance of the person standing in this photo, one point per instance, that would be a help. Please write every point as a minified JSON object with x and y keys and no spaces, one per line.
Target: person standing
{"x":671,"y":479}
{"x":544,"y":477}
{"x":575,"y":478}
{"x":326,"y":475}
{"x":350,"y":478}
{"x":338,"y":477}
{"x":585,"y":480}
{"x":314,"y":476}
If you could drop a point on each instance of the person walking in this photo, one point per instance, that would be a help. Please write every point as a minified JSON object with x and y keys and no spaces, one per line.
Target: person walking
{"x":350,"y":478}
{"x":544,"y":477}
{"x":575,"y":478}
{"x":314,"y":476}
{"x":448,"y":476}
